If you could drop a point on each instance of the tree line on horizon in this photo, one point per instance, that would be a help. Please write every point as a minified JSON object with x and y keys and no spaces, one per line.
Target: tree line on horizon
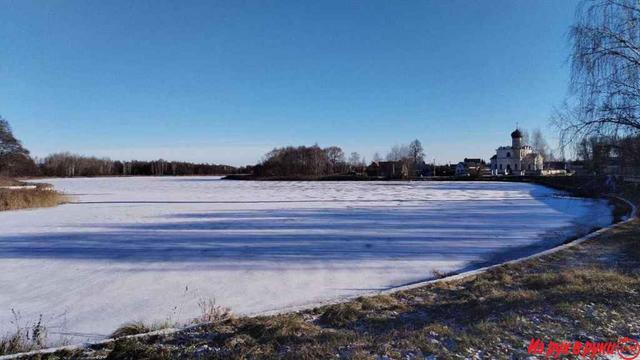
{"x":311,"y":161}
{"x":289,"y":161}
{"x":15,"y":160}
{"x":70,"y":165}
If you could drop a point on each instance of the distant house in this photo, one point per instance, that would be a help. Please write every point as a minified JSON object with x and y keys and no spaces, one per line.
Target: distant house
{"x":447,"y":170}
{"x":389,"y":169}
{"x":473,"y":162}
{"x":474,"y":166}
{"x":555,"y":168}
{"x":439,"y":170}
{"x":470,"y":166}
{"x":461,"y":169}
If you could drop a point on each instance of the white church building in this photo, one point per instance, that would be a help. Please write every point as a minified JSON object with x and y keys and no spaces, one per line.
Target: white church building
{"x":517,"y":159}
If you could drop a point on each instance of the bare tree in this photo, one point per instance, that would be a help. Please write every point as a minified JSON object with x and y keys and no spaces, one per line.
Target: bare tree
{"x":605,"y":71}
{"x":628,"y":152}
{"x":377,"y":157}
{"x":354,"y":159}
{"x":416,"y":152}
{"x":335,"y":155}
{"x":595,"y":152}
{"x":539,"y":144}
{"x":398,"y":152}
{"x":526,"y":139}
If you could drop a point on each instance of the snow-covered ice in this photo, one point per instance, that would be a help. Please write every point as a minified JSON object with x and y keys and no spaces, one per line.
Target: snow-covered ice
{"x":150,"y":249}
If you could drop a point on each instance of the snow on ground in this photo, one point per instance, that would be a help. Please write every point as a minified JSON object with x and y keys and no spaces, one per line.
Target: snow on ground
{"x":151,"y":249}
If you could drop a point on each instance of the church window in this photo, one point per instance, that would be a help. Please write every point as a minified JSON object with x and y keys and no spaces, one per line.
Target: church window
{"x":508,"y":154}
{"x":516,"y":166}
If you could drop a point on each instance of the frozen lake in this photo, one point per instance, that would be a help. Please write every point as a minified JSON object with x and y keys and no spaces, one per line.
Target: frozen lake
{"x":151,"y":248}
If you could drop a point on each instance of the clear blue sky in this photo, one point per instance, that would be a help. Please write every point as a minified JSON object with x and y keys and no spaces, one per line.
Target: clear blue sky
{"x":225,"y":81}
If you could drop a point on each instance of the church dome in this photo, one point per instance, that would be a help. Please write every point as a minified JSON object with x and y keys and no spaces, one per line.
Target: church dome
{"x":516,"y":134}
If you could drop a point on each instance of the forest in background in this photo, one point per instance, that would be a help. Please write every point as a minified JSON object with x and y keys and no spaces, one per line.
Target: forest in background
{"x":15,"y":161}
{"x":595,"y":153}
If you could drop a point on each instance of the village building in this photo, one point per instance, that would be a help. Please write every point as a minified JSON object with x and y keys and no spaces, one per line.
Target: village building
{"x":389,"y":169}
{"x":517,"y":159}
{"x":461,"y":170}
{"x":470,"y":167}
{"x":554,"y":168}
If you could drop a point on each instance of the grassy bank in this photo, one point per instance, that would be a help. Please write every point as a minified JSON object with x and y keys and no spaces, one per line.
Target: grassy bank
{"x":31,"y":196}
{"x":6,"y":181}
{"x":589,"y":292}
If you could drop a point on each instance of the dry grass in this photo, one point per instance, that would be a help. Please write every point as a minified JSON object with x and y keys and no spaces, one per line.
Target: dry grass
{"x":24,"y":339}
{"x":132,"y":328}
{"x":15,"y":343}
{"x":14,"y":199}
{"x":138,"y":327}
{"x":210,"y":312}
{"x":5,"y":181}
{"x":131,"y":349}
{"x":380,"y":302}
{"x":211,"y":315}
{"x":280,"y":328}
{"x":341,"y":315}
